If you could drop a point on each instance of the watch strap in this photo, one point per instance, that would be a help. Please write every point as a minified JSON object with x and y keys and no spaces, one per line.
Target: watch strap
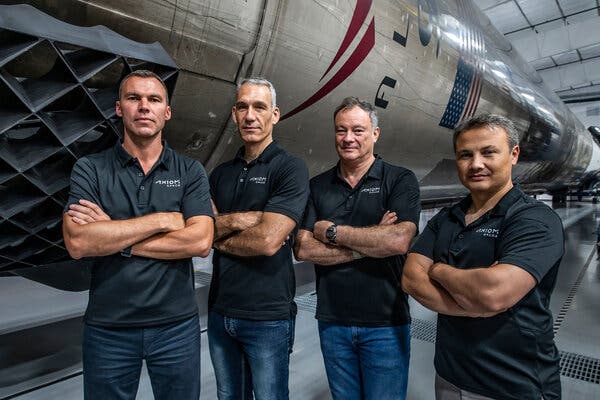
{"x":331,"y":234}
{"x":126,"y":252}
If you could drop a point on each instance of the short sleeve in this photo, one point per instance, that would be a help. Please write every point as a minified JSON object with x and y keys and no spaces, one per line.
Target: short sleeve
{"x":425,"y":243}
{"x":84,"y":183}
{"x":532,"y":239}
{"x":290,"y":190}
{"x":213,"y":181}
{"x":405,"y":199}
{"x":196,"y":198}
{"x":310,"y":214}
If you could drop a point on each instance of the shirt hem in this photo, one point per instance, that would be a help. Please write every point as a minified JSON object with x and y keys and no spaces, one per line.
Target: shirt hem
{"x":141,"y":324}
{"x":333,"y":320}
{"x":254,"y":315}
{"x":493,"y":395}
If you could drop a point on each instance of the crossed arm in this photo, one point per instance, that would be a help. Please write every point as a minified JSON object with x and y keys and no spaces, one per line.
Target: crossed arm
{"x":485,"y":290}
{"x":382,"y":240}
{"x":228,"y":224}
{"x":251,"y":233}
{"x":88,"y":231}
{"x":476,"y":292}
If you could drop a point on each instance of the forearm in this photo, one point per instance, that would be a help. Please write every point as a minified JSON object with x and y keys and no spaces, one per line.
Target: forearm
{"x":310,"y":249}
{"x":377,"y":241}
{"x":263,"y":239}
{"x":108,"y":237}
{"x":246,"y":244}
{"x":417,"y":284}
{"x":226,"y":224}
{"x":469,"y":287}
{"x":195,"y":240}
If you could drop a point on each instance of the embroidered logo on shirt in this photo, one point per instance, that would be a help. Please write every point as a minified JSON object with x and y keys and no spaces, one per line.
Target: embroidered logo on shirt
{"x":371,"y":190}
{"x":170,"y":183}
{"x":488,"y":232}
{"x":261,"y":180}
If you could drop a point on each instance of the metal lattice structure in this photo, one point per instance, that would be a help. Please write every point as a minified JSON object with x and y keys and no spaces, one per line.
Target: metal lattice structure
{"x":58,"y":86}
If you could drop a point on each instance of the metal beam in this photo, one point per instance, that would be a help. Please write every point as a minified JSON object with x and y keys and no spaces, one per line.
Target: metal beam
{"x":531,"y":26}
{"x":560,"y":9}
{"x":572,"y":75}
{"x":534,"y":46}
{"x":564,"y":17}
{"x":567,"y":63}
{"x":586,"y":94}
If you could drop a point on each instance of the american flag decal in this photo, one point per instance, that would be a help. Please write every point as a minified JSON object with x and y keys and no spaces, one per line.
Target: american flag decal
{"x":464,"y":97}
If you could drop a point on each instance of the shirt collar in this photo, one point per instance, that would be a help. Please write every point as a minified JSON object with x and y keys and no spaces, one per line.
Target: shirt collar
{"x":126,"y":159}
{"x":375,"y":171}
{"x":508,"y":200}
{"x":459,"y":210}
{"x":267,"y":154}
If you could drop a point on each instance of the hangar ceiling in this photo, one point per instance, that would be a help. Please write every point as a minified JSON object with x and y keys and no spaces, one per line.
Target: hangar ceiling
{"x":559,"y":38}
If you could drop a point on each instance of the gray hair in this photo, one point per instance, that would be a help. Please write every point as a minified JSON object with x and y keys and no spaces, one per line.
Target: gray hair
{"x":350,"y":102}
{"x":143,"y":73}
{"x":261,"y":82}
{"x":488,"y":120}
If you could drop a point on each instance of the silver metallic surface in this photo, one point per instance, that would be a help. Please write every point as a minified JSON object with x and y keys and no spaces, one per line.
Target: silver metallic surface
{"x":293,"y":42}
{"x":410,"y":72}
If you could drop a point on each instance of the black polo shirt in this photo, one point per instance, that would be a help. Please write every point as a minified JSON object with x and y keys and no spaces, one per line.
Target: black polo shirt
{"x":139,"y":291}
{"x":367,"y":291}
{"x":258,"y":288}
{"x":511,"y":355}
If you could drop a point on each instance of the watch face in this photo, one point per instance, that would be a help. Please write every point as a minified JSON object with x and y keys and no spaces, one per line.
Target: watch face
{"x":330,"y":233}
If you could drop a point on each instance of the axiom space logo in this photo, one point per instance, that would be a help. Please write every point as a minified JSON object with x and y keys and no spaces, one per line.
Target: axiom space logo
{"x":170,"y":183}
{"x":261,"y":180}
{"x":488,"y":232}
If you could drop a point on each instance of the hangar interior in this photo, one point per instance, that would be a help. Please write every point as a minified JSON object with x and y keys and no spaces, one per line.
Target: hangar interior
{"x":561,"y":40}
{"x":40,"y":344}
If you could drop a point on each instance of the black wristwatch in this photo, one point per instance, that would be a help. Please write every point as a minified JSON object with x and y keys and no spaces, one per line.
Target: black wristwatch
{"x":331,"y":234}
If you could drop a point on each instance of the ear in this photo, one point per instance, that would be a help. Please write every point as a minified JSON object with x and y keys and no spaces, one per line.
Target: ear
{"x":276,"y":115}
{"x":118,"y":108}
{"x":168,"y":113}
{"x":233,"y":115}
{"x":514,"y":154}
{"x":376,"y":134}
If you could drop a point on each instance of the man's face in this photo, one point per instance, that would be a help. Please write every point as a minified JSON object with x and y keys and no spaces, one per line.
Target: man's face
{"x":143,"y":107}
{"x":253,"y":113}
{"x":354,"y":135}
{"x":484,"y":159}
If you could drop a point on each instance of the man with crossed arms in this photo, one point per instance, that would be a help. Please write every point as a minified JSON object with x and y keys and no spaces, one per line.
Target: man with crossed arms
{"x":142,"y":211}
{"x":360,"y":219}
{"x":488,"y":266}
{"x":259,"y":197}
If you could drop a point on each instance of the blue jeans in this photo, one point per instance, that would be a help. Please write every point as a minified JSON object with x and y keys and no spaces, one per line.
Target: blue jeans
{"x":250,"y":356}
{"x":112,"y":360}
{"x":366,"y":362}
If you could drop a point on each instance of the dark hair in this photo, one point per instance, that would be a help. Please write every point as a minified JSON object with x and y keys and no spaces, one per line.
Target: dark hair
{"x":490,"y":120}
{"x":350,"y":102}
{"x":261,"y":82}
{"x":143,"y":73}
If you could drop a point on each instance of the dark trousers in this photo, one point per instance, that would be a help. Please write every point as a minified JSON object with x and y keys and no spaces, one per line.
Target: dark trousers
{"x":112,"y":360}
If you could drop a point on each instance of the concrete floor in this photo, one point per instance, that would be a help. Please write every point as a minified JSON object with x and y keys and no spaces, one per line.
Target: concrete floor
{"x":574,"y":304}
